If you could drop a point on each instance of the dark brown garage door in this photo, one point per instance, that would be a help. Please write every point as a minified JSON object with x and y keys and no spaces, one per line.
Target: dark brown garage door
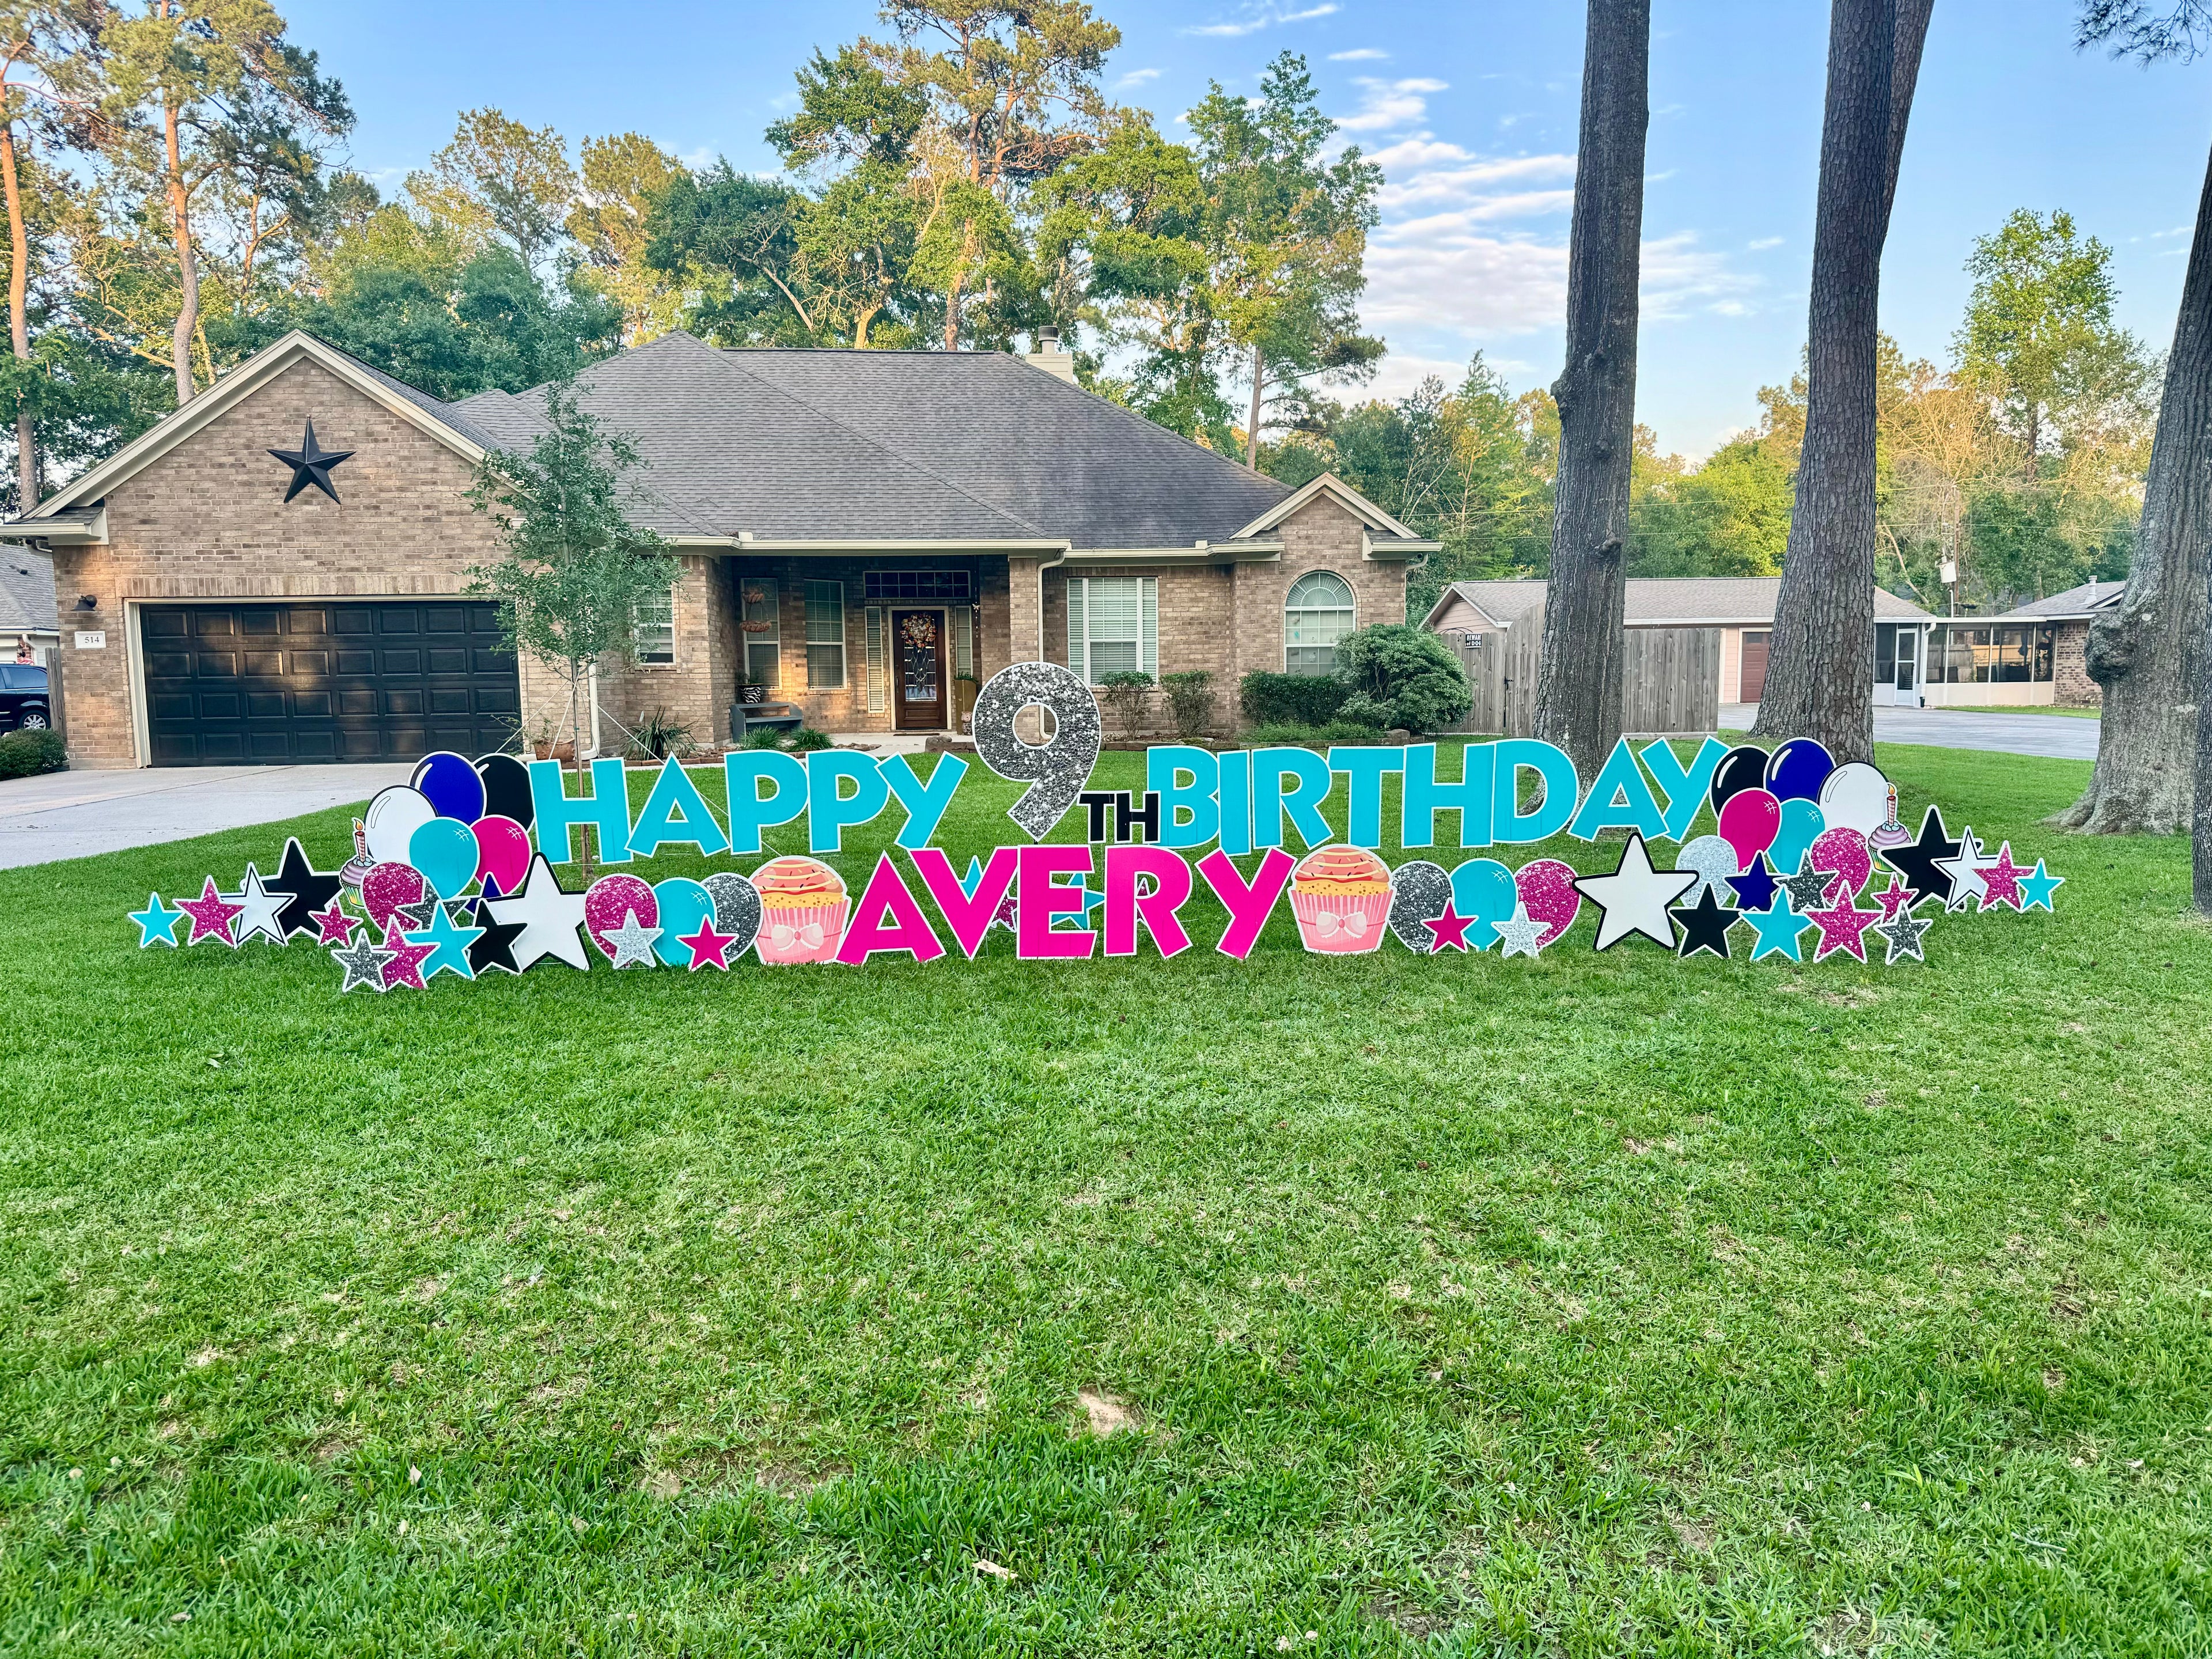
{"x":1753,"y":679}
{"x":232,"y":684}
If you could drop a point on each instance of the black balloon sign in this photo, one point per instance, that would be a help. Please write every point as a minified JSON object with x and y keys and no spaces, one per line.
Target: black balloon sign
{"x":1740,"y":769}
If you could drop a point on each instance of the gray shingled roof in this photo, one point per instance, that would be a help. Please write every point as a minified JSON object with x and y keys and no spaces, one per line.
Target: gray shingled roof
{"x":27,"y":591}
{"x":2086,"y":600}
{"x":1748,"y":600}
{"x":449,"y":413}
{"x":865,"y":445}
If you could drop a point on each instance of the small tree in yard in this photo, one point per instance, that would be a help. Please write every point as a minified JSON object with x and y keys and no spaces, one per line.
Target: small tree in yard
{"x":575,"y":569}
{"x":1401,"y":676}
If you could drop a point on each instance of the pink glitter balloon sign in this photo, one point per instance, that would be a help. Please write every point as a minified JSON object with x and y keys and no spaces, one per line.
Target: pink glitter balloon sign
{"x":1547,"y":894}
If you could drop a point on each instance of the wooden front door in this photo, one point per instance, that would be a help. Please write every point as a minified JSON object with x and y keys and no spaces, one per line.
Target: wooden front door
{"x":920,"y":685}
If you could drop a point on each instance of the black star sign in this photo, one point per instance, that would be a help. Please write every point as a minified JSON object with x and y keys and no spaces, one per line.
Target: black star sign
{"x":308,"y":889}
{"x":1917,"y":861}
{"x":1704,"y":926}
{"x":311,"y":464}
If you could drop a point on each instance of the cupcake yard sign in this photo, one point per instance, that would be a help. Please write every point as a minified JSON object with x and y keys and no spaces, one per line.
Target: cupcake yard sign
{"x":458,"y":874}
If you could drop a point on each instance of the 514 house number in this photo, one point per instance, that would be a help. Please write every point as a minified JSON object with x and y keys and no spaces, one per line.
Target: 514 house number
{"x":95,"y":639}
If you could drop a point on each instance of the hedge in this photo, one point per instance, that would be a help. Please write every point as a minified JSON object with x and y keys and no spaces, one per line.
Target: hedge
{"x":1290,"y":699}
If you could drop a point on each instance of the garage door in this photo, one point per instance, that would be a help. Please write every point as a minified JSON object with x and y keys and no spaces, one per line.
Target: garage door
{"x":261,"y":684}
{"x":1752,"y":683}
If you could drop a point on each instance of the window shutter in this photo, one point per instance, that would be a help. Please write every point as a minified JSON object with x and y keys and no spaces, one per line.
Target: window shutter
{"x":1078,"y":627}
{"x":1148,"y":638}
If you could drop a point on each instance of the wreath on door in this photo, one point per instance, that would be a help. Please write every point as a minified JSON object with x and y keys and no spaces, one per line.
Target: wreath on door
{"x":919,"y":633}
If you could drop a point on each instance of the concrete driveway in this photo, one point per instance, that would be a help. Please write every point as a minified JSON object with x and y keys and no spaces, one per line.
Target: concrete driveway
{"x":74,"y":815}
{"x":2056,"y":737}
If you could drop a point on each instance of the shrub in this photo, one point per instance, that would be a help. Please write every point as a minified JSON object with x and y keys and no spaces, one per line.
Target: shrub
{"x":1124,"y":694}
{"x":661,"y":734}
{"x":27,"y":754}
{"x":1402,"y":675}
{"x":805,"y":741}
{"x":1190,"y":702}
{"x":1290,"y":699}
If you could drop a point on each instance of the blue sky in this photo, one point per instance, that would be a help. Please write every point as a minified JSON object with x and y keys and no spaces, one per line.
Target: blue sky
{"x":1471,"y":109}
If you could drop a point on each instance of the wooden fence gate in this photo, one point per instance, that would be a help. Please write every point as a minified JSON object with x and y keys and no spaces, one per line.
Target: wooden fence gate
{"x":1670,"y":680}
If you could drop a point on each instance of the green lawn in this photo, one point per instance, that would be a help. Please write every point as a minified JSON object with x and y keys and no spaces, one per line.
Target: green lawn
{"x":1585,"y":1304}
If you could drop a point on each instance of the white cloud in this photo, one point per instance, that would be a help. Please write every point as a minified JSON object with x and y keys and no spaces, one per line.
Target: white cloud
{"x":1387,"y":104}
{"x":1136,"y":78}
{"x":1358,"y":55}
{"x":1400,"y":373}
{"x":1763,"y":243}
{"x":1475,"y":247}
{"x":1258,"y":17}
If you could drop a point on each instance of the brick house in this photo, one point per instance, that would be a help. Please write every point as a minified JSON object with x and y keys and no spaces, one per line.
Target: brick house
{"x":868,"y":535}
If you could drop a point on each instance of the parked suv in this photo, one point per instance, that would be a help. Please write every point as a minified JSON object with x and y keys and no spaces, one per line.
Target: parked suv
{"x":24,"y":702}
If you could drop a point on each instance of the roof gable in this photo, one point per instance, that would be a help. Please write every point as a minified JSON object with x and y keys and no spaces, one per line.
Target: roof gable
{"x":1345,"y":495}
{"x":417,"y":407}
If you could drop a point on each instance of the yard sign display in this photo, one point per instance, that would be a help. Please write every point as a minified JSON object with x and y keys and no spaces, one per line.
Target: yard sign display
{"x":458,"y":873}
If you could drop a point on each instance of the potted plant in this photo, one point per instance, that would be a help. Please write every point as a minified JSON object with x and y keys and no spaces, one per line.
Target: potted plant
{"x":751,"y":690}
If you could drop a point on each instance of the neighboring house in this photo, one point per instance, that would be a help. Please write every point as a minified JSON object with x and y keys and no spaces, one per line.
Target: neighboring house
{"x":27,"y":604}
{"x":2031,"y":655}
{"x":1741,"y":608}
{"x":869,"y":533}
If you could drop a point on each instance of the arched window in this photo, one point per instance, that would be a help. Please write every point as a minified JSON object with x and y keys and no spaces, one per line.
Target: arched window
{"x":1317,"y":614}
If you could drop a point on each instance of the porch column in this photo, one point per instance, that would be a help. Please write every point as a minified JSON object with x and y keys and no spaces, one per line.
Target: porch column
{"x":1025,"y":610}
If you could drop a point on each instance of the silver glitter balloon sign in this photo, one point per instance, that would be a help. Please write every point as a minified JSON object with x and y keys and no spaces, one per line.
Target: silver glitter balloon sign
{"x":737,"y":909}
{"x":1419,"y":893}
{"x":1055,"y":770}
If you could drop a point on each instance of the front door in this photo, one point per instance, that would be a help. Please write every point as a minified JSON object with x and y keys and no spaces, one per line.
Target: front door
{"x":918,"y":637}
{"x":1908,"y":666}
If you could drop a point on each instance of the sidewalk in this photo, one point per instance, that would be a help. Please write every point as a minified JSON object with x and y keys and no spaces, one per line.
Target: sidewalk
{"x":74,"y":815}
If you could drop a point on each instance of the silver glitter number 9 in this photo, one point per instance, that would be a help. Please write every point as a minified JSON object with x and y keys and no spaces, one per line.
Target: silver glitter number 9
{"x":1055,"y":770}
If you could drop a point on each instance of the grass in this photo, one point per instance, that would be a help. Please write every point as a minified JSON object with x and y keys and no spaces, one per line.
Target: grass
{"x":1584,"y":1305}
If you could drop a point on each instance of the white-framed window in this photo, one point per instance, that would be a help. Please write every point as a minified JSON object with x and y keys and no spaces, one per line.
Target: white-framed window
{"x":825,"y":636}
{"x":1113,"y":625}
{"x":873,"y":635}
{"x":652,"y":628}
{"x":761,"y":625}
{"x":963,"y":638}
{"x":1316,"y":614}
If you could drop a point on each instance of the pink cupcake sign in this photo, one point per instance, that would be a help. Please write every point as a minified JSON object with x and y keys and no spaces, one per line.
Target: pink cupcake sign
{"x":1341,"y":898}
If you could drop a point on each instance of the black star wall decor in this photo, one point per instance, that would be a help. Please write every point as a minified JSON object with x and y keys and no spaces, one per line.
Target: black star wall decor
{"x":311,"y":464}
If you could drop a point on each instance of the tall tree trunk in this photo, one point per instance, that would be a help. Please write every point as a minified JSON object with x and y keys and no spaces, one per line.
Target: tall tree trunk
{"x":1252,"y":423}
{"x":2148,"y":652}
{"x":1579,"y":672}
{"x":188,"y":269}
{"x":1819,"y":677}
{"x":19,"y":320}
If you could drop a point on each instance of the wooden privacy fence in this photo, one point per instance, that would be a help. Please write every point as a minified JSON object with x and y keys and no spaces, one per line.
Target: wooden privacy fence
{"x":1670,"y":678}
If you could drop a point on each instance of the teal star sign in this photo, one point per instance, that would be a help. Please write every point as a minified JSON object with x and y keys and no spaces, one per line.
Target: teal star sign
{"x":1778,"y":929}
{"x":2036,"y":890}
{"x":157,"y":922}
{"x":449,"y":945}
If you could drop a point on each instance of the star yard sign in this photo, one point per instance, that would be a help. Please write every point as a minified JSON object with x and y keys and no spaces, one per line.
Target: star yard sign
{"x":311,"y":464}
